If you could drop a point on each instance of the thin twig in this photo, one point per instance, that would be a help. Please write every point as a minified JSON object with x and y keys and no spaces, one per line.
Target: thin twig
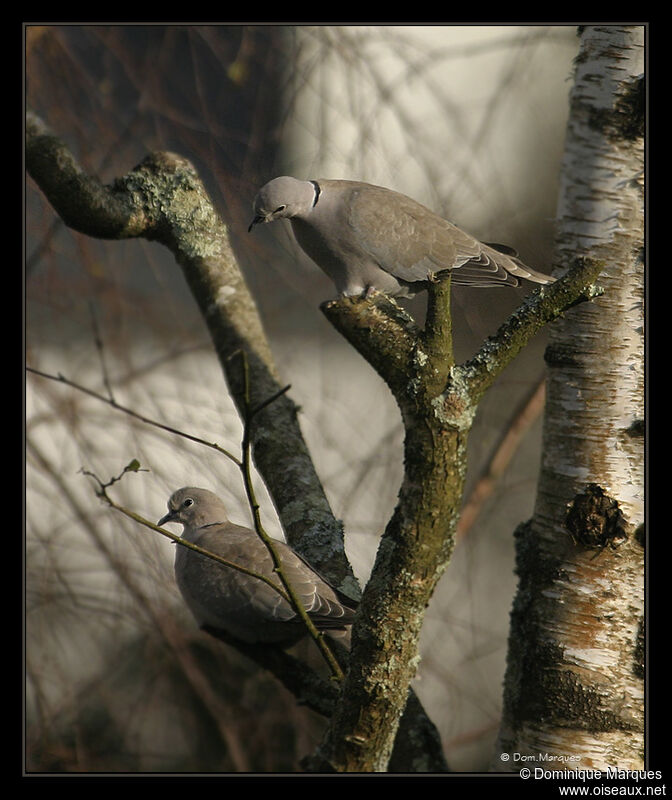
{"x":101,"y":353}
{"x":253,"y":412}
{"x":111,"y":402}
{"x":297,"y":605}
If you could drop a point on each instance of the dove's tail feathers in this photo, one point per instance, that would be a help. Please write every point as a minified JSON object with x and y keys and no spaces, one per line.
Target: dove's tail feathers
{"x":514,"y":266}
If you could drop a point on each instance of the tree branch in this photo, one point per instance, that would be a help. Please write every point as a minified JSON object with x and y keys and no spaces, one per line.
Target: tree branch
{"x":380,"y":330}
{"x":541,"y":307}
{"x":249,"y":416}
{"x":82,"y":201}
{"x":438,"y":402}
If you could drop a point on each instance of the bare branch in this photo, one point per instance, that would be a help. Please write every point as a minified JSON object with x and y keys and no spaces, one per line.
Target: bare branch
{"x":98,"y":341}
{"x":538,"y":309}
{"x":380,"y":330}
{"x":249,"y":415}
{"x":112,"y":402}
{"x":438,"y":402}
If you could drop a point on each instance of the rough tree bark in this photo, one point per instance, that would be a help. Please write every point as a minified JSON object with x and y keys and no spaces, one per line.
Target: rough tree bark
{"x":438,"y":401}
{"x":574,"y":682}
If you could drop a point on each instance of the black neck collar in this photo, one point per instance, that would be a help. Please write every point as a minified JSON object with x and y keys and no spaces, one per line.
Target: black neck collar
{"x":318,"y":192}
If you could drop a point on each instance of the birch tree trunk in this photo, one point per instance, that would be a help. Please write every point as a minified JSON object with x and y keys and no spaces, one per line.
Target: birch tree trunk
{"x":574,"y":684}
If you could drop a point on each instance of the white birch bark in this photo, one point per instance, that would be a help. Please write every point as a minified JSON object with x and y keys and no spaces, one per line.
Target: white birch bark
{"x":574,"y":684}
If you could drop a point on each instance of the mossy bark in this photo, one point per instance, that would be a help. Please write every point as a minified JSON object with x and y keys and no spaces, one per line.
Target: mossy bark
{"x":438,"y":402}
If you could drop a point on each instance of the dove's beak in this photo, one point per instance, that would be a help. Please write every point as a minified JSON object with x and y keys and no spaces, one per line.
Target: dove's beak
{"x":170,"y":517}
{"x":256,"y":221}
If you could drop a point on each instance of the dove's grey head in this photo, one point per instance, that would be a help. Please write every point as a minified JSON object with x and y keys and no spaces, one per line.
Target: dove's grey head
{"x":283,"y":197}
{"x":194,"y":508}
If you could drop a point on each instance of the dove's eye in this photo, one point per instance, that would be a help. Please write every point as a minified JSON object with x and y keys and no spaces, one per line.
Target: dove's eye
{"x":279,"y":209}
{"x":188,"y":502}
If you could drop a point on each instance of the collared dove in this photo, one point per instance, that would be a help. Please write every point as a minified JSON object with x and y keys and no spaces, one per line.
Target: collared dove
{"x":224,"y":598}
{"x":367,"y":237}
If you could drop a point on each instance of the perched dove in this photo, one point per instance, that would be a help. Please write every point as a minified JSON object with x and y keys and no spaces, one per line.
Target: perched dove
{"x":226,"y":599}
{"x":366,"y":237}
